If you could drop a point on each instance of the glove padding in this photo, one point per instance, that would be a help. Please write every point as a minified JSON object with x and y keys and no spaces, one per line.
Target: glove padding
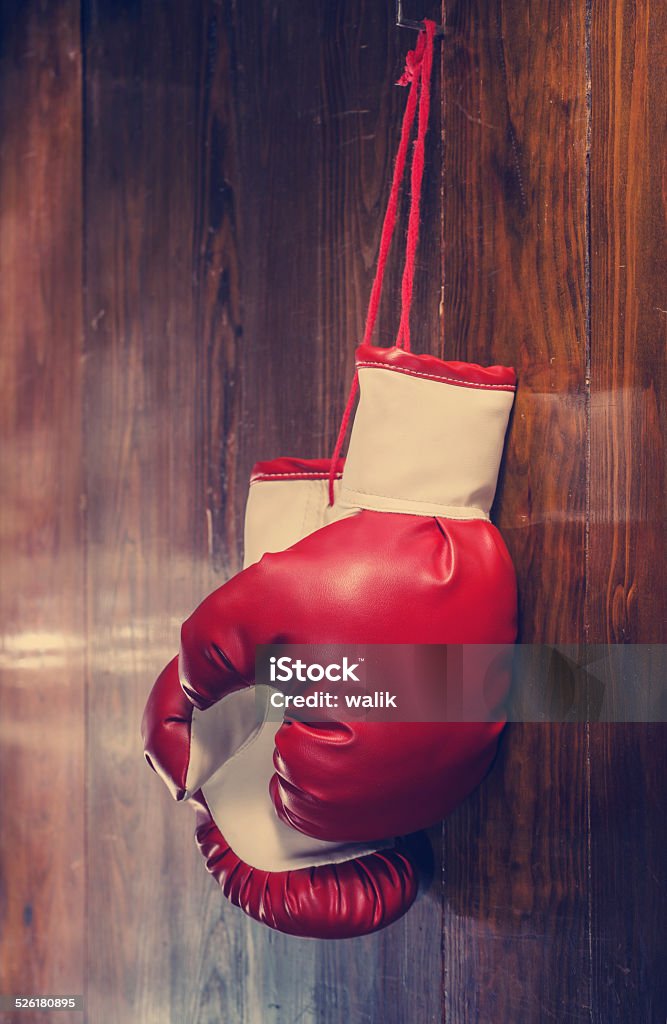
{"x":414,"y":561}
{"x":222,"y":761}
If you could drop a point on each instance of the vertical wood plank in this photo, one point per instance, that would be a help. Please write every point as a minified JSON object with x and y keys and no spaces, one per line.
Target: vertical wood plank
{"x":515,"y":208}
{"x":41,"y":603}
{"x":626,"y":597}
{"x":161,"y":416}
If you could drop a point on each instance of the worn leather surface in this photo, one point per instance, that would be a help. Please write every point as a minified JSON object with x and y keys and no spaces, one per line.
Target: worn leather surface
{"x":340,"y":891}
{"x":330,"y":901}
{"x":371,"y":578}
{"x":352,"y":574}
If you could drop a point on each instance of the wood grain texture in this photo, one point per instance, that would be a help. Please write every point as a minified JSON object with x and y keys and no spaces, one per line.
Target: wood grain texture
{"x":161,"y":310}
{"x":42,"y":626}
{"x":626,"y":596}
{"x":191,"y":198}
{"x":515,"y":245}
{"x":206,"y":301}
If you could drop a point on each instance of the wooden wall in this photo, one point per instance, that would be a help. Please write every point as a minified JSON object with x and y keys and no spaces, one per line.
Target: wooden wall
{"x":191,"y":196}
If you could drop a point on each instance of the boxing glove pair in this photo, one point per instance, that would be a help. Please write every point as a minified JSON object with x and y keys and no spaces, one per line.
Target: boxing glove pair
{"x":301,"y":822}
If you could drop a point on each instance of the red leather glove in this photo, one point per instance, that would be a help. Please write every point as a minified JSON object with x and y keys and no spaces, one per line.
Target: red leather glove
{"x":222,"y":760}
{"x":414,"y":560}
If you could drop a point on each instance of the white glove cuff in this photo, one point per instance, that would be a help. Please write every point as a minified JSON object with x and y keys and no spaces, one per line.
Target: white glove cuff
{"x":428,"y":435}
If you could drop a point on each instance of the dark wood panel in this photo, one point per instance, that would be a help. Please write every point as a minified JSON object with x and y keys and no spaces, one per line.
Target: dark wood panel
{"x":515,"y":128}
{"x":236,"y":167}
{"x":42,"y":644}
{"x":626,"y":596}
{"x":320,"y":122}
{"x":161,"y":414}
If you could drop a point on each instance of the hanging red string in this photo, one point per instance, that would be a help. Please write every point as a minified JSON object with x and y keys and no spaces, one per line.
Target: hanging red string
{"x":411,"y":76}
{"x":416,"y":176}
{"x":417,"y":74}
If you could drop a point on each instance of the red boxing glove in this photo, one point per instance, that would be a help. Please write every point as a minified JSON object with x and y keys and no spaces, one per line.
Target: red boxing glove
{"x":223,"y":760}
{"x":411,"y":557}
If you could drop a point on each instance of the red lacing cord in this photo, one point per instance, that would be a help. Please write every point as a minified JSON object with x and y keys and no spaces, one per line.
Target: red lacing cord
{"x":417,"y":74}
